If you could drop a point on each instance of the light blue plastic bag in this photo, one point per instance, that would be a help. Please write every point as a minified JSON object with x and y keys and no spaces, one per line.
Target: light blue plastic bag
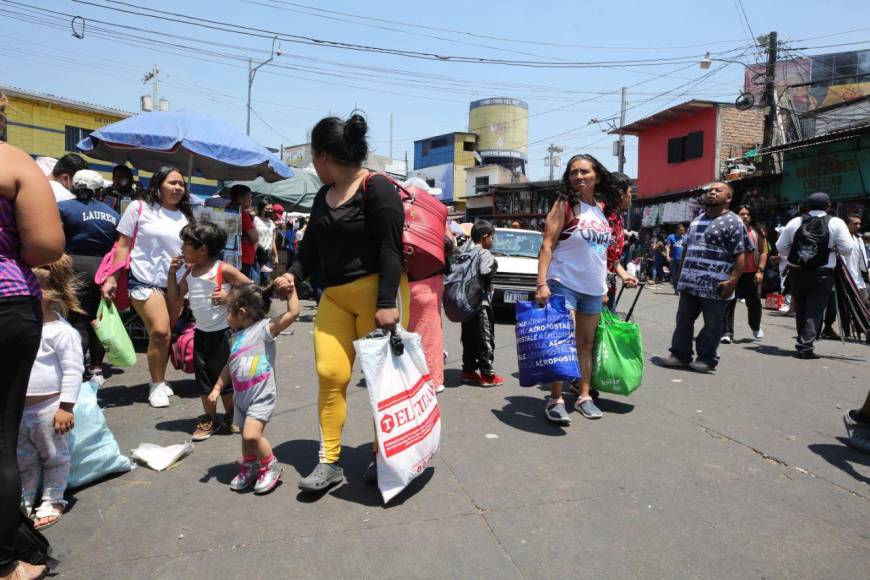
{"x":94,"y":453}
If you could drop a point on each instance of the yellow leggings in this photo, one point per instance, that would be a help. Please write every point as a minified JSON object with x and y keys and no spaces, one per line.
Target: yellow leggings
{"x":346,"y":313}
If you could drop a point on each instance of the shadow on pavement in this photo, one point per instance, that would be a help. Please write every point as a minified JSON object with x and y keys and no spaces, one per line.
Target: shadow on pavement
{"x":452,"y":378}
{"x":302,"y":455}
{"x":771,"y":350}
{"x":124,"y":395}
{"x":776,"y":351}
{"x":842,"y":457}
{"x":615,"y":407}
{"x":527,"y":414}
{"x":355,"y":461}
{"x":224,"y":473}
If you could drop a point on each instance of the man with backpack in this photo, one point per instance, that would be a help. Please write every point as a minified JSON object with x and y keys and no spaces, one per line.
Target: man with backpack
{"x":807,"y":242}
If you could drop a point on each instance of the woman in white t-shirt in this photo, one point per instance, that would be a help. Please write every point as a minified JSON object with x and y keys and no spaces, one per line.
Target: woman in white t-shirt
{"x":573,"y":263}
{"x":161,"y":214}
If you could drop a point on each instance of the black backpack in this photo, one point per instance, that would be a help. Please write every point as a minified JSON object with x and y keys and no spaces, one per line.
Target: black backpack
{"x":809,"y":248}
{"x":463,"y":290}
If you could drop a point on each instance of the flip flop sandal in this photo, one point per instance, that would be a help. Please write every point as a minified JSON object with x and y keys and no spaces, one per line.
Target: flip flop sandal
{"x":22,"y":574}
{"x":47,"y":510}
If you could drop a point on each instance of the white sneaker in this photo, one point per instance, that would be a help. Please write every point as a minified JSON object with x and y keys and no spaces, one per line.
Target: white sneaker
{"x":167,"y":389}
{"x":439,"y":389}
{"x":726,"y":340}
{"x":157,"y":396}
{"x":758,"y":334}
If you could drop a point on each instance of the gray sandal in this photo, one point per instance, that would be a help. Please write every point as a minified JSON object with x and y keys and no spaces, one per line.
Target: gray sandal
{"x":323,"y":476}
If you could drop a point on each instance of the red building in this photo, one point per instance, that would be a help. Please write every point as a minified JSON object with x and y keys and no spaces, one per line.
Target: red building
{"x":688,"y":145}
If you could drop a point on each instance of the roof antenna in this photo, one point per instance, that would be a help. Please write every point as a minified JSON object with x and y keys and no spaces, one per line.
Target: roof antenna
{"x":72,"y":24}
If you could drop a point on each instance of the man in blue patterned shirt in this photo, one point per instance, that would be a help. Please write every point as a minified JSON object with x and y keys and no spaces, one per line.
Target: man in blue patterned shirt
{"x":712,"y":262}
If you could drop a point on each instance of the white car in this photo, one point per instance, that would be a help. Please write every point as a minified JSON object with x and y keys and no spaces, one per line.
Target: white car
{"x":517,"y":275}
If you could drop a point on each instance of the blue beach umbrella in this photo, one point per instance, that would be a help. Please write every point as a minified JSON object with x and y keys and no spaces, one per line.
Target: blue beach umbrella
{"x":194,"y":142}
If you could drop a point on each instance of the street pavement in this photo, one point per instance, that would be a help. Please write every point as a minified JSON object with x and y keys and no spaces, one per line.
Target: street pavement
{"x":739,"y":474}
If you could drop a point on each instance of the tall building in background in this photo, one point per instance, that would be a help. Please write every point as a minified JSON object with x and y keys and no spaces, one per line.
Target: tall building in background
{"x":502,"y":129}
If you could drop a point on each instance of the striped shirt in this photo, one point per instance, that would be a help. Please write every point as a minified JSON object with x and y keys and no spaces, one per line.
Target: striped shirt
{"x":710,"y":247}
{"x":16,"y":279}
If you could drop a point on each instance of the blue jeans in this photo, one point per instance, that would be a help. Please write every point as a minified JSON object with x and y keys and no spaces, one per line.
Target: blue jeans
{"x":707,"y":341}
{"x":252,"y":271}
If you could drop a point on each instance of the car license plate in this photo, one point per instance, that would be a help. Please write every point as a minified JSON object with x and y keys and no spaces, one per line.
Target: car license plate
{"x":513,"y":297}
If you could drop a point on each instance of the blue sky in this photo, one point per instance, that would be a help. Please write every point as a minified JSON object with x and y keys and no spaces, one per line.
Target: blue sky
{"x":425,"y":97}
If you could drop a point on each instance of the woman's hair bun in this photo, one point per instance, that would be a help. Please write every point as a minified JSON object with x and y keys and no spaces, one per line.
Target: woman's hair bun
{"x":344,"y":140}
{"x":355,"y":128}
{"x":354,"y":137}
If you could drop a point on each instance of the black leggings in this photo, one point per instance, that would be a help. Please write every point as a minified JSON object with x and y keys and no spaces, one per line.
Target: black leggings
{"x":89,"y":296}
{"x":748,"y":290}
{"x":20,"y":332}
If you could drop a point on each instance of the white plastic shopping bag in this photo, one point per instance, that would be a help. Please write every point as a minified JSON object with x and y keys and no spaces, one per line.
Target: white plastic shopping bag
{"x":407,"y":418}
{"x":159,"y":458}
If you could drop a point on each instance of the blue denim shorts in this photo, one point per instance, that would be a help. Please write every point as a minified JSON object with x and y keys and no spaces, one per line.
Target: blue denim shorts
{"x":577,"y":301}
{"x":140,"y":290}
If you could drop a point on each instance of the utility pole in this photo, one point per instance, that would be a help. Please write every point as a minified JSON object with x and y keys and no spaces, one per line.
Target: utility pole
{"x":252,"y":72}
{"x":552,"y":160}
{"x":154,"y":77}
{"x":622,"y":135}
{"x":770,"y":101}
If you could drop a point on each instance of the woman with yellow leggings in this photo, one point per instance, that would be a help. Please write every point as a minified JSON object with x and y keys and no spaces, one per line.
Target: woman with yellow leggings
{"x":354,"y":242}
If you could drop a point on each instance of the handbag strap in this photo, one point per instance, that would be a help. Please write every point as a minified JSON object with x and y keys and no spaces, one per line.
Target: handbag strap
{"x":402,"y":191}
{"x":219,"y":278}
{"x":136,"y":227}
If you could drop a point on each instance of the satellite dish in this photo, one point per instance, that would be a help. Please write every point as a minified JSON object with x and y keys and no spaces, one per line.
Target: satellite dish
{"x":744,"y":102}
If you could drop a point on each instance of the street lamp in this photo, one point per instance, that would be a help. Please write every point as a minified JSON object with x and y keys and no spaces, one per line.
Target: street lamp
{"x":707,"y":61}
{"x":252,"y":72}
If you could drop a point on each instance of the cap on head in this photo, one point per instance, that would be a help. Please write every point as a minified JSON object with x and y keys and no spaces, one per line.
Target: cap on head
{"x":819,"y":201}
{"x":87,"y":179}
{"x":278,"y":208}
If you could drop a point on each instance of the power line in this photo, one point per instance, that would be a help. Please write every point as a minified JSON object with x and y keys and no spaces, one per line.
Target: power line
{"x":498,"y":38}
{"x":273,"y":129}
{"x":163,"y":46}
{"x":295,"y":38}
{"x":742,"y":12}
{"x":389,"y":28}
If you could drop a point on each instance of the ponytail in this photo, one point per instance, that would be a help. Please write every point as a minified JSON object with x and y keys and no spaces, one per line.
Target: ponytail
{"x":58,"y":283}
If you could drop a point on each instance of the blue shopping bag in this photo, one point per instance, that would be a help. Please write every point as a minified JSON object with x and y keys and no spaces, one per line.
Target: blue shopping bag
{"x":546,"y":348}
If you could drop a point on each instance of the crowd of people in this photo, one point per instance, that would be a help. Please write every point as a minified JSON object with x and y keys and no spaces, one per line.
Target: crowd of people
{"x":55,"y":233}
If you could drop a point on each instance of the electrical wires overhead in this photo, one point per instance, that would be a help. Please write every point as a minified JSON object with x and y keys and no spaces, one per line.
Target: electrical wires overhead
{"x":147,"y":12}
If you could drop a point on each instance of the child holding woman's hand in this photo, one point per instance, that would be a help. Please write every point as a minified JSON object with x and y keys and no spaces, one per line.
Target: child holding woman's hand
{"x":251,"y":370}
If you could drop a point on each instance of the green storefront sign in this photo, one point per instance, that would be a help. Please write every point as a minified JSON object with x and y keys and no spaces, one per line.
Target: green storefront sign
{"x":841,"y":169}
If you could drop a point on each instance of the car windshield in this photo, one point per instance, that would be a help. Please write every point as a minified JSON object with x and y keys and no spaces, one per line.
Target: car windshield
{"x":521,"y":244}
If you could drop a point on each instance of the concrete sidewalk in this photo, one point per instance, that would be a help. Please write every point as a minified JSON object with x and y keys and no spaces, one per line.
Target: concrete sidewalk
{"x":742,"y":473}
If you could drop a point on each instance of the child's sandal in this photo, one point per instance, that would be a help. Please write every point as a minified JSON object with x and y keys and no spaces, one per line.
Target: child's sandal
{"x":47,"y":510}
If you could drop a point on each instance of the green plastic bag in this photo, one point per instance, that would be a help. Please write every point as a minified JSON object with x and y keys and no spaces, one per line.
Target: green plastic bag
{"x":617,"y":358}
{"x":111,"y":332}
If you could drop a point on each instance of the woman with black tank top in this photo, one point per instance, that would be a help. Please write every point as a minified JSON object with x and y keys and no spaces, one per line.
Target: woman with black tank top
{"x":354,"y":242}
